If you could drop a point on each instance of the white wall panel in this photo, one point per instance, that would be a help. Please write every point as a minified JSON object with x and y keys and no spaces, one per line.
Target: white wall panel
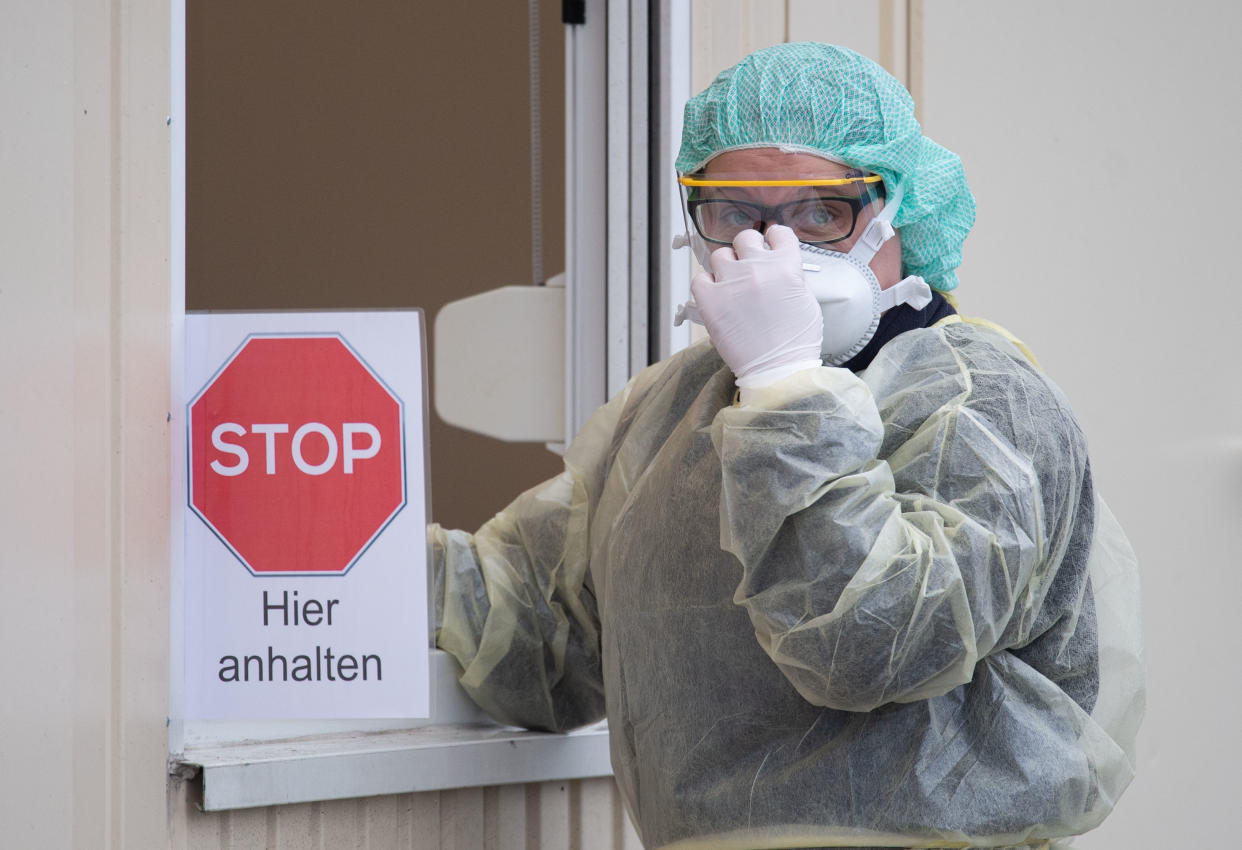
{"x":1099,"y":139}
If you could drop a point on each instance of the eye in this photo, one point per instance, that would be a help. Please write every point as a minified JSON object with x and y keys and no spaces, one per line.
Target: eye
{"x":821,"y":219}
{"x":735,"y":216}
{"x":724,"y":220}
{"x":815,"y":213}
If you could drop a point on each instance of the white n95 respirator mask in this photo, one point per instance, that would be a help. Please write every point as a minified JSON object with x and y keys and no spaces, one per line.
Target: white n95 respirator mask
{"x":844,"y":285}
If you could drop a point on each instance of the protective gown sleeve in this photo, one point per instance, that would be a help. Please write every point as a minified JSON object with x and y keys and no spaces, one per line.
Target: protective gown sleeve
{"x":886,"y":548}
{"x":513,"y":602}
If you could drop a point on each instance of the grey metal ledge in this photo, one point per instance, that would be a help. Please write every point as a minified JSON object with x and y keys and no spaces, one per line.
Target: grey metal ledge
{"x":248,"y":765}
{"x":430,"y":758}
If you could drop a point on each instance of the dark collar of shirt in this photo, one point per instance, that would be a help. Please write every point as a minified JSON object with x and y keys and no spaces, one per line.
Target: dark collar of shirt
{"x":896,"y":321}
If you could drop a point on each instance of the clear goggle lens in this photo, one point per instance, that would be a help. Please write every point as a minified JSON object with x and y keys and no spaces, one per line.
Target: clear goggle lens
{"x":820,"y":211}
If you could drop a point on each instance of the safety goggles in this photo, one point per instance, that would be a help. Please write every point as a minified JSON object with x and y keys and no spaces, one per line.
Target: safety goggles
{"x":820,"y":211}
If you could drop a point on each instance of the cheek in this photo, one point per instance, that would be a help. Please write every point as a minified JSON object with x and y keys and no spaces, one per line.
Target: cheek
{"x":887,"y":263}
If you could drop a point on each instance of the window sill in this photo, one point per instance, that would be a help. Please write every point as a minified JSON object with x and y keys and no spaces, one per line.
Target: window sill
{"x":453,"y":750}
{"x":363,"y":764}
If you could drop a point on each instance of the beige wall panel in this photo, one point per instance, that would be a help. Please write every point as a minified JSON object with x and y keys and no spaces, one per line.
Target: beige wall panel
{"x":602,"y":813}
{"x":1080,"y":125}
{"x":579,"y":815}
{"x":298,"y":827}
{"x":387,"y":823}
{"x":505,"y":809}
{"x":557,"y":822}
{"x":723,"y":31}
{"x":140,"y":581}
{"x":38,"y":363}
{"x":852,"y":23}
{"x":593,"y":810}
{"x":84,"y":302}
{"x":94,"y":500}
{"x":343,"y":823}
{"x":894,"y":37}
{"x":253,"y":829}
{"x":188,"y":826}
{"x":425,"y":816}
{"x":461,"y":819}
{"x":629,"y":839}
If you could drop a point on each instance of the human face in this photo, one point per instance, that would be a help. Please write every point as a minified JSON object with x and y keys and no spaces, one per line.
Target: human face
{"x":775,"y":164}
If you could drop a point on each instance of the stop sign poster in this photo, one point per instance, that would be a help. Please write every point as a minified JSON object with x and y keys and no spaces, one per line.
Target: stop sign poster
{"x":305,"y":516}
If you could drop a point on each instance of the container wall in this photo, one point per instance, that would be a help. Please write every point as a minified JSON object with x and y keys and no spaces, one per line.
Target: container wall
{"x":84,"y":312}
{"x":577,"y":815}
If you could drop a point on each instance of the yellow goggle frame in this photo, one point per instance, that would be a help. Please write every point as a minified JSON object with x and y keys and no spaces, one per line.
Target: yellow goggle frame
{"x":810,"y":181}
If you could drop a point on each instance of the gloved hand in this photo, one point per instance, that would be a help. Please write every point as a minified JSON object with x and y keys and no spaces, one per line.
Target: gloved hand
{"x":757,"y":308}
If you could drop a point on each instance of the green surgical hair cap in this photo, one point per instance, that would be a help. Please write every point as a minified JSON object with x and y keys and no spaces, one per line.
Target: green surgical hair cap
{"x":831,"y":101}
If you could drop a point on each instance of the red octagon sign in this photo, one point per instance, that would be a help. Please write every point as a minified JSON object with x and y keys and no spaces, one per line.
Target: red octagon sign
{"x":297,"y":460}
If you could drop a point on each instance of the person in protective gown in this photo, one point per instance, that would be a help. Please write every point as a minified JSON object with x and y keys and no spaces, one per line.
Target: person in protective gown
{"x":869,"y":603}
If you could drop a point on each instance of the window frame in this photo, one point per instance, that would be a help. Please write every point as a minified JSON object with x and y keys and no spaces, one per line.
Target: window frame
{"x":265,"y":762}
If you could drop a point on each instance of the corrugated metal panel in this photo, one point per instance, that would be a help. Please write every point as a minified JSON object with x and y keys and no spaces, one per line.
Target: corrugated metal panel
{"x":578,"y":815}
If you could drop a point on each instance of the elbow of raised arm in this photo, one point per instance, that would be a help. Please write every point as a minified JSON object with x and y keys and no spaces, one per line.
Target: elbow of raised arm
{"x":870,"y":691}
{"x":864,"y":669}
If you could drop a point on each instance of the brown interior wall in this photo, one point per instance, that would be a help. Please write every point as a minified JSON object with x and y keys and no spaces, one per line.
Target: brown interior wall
{"x":363,"y":155}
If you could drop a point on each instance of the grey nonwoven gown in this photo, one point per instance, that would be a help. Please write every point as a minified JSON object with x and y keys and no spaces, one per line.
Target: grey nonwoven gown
{"x":874,"y":610}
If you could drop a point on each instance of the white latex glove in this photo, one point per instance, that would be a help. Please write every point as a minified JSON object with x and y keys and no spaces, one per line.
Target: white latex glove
{"x":757,"y":308}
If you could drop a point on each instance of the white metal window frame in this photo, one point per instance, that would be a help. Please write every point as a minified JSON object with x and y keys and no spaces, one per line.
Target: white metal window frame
{"x":608,"y":178}
{"x":622,"y":202}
